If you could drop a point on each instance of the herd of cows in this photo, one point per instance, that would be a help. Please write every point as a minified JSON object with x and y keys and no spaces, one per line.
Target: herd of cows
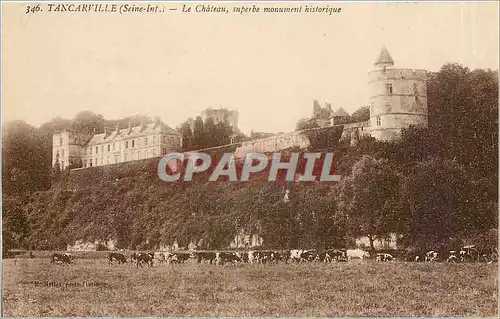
{"x":465,"y":254}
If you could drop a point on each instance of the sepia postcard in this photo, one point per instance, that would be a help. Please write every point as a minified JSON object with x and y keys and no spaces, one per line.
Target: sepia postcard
{"x":249,"y":159}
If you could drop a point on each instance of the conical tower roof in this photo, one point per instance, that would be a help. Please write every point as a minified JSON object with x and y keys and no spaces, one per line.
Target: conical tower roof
{"x":340,"y":113}
{"x":384,"y":58}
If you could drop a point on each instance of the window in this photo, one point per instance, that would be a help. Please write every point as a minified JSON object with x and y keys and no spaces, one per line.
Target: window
{"x":388,"y":88}
{"x":145,"y":141}
{"x":102,"y":148}
{"x":154,"y":152}
{"x":116,"y":159}
{"x":126,"y":144}
{"x":95,"y":161}
{"x":109,"y":148}
{"x":102,"y":160}
{"x":133,"y":143}
{"x":114,"y":146}
{"x":164,"y":150}
{"x":138,"y":154}
{"x":378,"y":121}
{"x":96,"y":149}
{"x":90,"y":163}
{"x":84,"y":163}
{"x":60,"y":141}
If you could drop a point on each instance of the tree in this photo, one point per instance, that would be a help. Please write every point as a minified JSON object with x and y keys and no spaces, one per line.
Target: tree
{"x":369,"y":198}
{"x":24,"y":159}
{"x":436,"y":204}
{"x":87,"y":122}
{"x":198,"y":133}
{"x":187,"y":136}
{"x":463,"y":117}
{"x":361,"y":115}
{"x":210,"y":133}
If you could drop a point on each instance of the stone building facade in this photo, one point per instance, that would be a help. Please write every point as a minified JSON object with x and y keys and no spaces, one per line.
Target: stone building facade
{"x":221,"y":115}
{"x":76,"y":150}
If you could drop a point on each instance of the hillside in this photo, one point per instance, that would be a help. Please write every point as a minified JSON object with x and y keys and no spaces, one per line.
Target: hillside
{"x":128,"y":203}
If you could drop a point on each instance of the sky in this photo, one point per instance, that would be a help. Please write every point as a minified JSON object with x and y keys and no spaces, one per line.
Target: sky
{"x":268,"y":67}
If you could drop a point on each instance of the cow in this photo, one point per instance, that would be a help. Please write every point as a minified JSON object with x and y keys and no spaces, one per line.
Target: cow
{"x":384,"y":257}
{"x":161,"y":257}
{"x":179,"y":258}
{"x":295,"y":255}
{"x":120,"y":258}
{"x":337,"y":254}
{"x":243,"y":256}
{"x":226,"y":257}
{"x":285,"y":256}
{"x":431,"y":256}
{"x":452,"y":257}
{"x":146,"y":258}
{"x":61,"y":258}
{"x":206,"y":256}
{"x":308,"y":255}
{"x":357,"y":254}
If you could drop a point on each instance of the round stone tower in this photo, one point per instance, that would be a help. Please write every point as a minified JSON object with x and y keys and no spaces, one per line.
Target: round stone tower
{"x":398,"y":98}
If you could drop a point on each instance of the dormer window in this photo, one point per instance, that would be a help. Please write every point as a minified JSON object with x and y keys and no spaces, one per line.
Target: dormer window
{"x":378,"y":121}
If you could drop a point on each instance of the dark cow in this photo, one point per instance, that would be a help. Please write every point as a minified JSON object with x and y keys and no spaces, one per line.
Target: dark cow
{"x":308,"y":255}
{"x":142,"y":258}
{"x":179,"y":258}
{"x":225,"y":257}
{"x":243,"y":256}
{"x":119,"y":258}
{"x":61,"y":258}
{"x":206,"y":256}
{"x":338,"y":254}
{"x":381,"y":257}
{"x":285,"y":256}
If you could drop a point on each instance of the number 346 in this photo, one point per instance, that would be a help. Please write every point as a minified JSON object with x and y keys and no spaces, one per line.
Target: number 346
{"x":33,"y":9}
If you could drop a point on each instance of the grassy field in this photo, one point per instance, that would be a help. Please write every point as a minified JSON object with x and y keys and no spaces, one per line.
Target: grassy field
{"x":91,"y":287}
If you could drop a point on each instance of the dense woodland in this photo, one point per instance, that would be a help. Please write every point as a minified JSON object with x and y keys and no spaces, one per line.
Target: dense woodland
{"x":436,"y":187}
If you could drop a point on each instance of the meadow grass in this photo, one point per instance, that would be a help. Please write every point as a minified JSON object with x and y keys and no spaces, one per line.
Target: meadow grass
{"x":357,"y":288}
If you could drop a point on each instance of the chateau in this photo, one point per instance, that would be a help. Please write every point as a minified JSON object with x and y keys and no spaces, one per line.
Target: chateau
{"x":76,"y":150}
{"x":398,"y":99}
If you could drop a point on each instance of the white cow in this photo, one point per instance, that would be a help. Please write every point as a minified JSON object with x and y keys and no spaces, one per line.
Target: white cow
{"x":295,"y":254}
{"x":357,"y":253}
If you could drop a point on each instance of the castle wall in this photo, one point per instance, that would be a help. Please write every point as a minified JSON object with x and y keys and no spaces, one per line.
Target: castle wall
{"x":272,"y":144}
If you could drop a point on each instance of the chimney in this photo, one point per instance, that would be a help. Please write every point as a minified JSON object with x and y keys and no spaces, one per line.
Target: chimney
{"x":142,"y":125}
{"x":129,"y":127}
{"x":117,"y":130}
{"x":156,"y":122}
{"x":105,"y":132}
